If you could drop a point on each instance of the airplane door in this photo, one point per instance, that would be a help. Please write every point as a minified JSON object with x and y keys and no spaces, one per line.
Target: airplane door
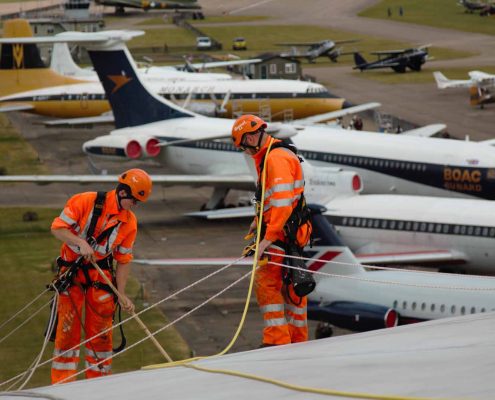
{"x":264,"y":72}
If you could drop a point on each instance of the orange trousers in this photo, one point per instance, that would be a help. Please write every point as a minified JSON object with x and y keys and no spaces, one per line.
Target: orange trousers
{"x":284,"y":321}
{"x":99,"y":308}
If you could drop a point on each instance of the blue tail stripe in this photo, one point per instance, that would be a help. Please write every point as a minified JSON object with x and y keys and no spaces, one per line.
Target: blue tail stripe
{"x":131,"y":102}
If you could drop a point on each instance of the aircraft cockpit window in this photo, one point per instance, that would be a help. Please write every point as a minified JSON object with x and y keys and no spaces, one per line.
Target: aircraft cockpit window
{"x":442,"y":308}
{"x":452,"y":309}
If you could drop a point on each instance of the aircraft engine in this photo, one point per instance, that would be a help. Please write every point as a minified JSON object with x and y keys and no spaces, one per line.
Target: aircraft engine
{"x":115,"y":147}
{"x":150,"y":146}
{"x":325,"y":183}
{"x":355,"y":316}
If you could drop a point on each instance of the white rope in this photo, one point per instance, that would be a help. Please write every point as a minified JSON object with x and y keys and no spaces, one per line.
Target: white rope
{"x":370,"y":266}
{"x":51,"y":326}
{"x":361,"y":278}
{"x":23,"y":308}
{"x":163,"y":327}
{"x":25,"y":321}
{"x":129,"y":318}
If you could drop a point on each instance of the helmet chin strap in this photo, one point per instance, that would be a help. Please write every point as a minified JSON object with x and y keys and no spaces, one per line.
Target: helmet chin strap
{"x":127,"y":191}
{"x":258,"y":145}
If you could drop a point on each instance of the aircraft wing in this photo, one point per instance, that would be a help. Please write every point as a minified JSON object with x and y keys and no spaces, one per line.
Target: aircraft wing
{"x":216,"y":64}
{"x":224,"y":213}
{"x":297,"y":43}
{"x":16,"y":107}
{"x":425,"y":131}
{"x":414,"y":257}
{"x":75,"y":37}
{"x":336,"y":114}
{"x":232,"y":181}
{"x":388,"y":52}
{"x":100,"y":119}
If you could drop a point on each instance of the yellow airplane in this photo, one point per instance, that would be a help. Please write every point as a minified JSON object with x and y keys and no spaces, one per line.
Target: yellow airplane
{"x":27,"y":85}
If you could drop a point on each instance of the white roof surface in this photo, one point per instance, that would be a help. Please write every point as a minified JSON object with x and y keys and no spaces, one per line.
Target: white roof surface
{"x":448,"y":358}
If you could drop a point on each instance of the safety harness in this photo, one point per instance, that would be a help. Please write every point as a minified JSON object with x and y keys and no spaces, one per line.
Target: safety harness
{"x":302,"y":281}
{"x":64,"y":280}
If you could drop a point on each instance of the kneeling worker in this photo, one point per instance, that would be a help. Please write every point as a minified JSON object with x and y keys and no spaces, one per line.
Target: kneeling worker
{"x":95,"y":227}
{"x":286,"y":225}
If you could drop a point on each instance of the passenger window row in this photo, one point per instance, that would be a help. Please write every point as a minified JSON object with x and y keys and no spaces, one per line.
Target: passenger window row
{"x":415,"y":226}
{"x":433,"y":307}
{"x":364,"y":161}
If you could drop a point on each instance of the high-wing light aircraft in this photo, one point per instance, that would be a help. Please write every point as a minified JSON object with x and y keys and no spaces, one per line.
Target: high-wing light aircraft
{"x":479,"y":84}
{"x":312,"y":50}
{"x":27,"y":85}
{"x":121,"y":5}
{"x":472,"y":6}
{"x":476,"y":78}
{"x":398,"y":60}
{"x":354,"y":298}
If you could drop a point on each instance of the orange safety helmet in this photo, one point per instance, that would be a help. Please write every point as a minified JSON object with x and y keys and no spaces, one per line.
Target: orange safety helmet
{"x":246,"y":124}
{"x":138,"y":181}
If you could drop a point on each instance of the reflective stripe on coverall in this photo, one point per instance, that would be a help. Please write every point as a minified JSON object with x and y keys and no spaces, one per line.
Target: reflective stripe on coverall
{"x":284,"y":322}
{"x":99,"y":304}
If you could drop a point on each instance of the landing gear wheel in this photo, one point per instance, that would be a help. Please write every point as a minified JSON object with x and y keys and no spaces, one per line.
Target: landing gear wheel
{"x":323,"y":330}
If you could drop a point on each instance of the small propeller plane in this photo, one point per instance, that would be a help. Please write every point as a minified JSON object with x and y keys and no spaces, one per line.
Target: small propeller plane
{"x":398,"y":60}
{"x":312,"y":50}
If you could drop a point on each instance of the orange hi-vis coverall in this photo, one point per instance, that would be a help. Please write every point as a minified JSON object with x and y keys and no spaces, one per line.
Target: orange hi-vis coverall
{"x":284,"y":321}
{"x":99,"y":303}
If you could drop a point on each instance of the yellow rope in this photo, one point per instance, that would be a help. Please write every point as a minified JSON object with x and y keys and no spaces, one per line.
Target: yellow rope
{"x":328,"y":392}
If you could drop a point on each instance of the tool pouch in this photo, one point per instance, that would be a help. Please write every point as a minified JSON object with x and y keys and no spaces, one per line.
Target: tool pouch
{"x":302,"y":280}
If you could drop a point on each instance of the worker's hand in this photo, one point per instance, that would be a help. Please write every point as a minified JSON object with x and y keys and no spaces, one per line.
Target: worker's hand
{"x":87,"y":251}
{"x":249,"y":250}
{"x":264,"y":244}
{"x":126,"y":304}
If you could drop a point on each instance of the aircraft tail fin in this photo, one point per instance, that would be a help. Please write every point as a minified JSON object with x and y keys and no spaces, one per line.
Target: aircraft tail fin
{"x":19,"y":56}
{"x":359,"y":60}
{"x":132,"y":103}
{"x":63,"y":63}
{"x":21,"y":66}
{"x":441,"y":80}
{"x":334,"y":257}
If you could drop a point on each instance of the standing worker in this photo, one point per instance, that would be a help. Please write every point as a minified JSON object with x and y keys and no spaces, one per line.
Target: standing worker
{"x":95,"y":227}
{"x":286,"y":225}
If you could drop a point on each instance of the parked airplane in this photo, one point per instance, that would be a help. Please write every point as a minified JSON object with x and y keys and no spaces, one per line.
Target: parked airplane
{"x":27,"y":85}
{"x":476,"y":78}
{"x":401,"y":164}
{"x":177,"y":5}
{"x":312,"y":50}
{"x":472,"y":6}
{"x":421,"y":230}
{"x":353,"y":298}
{"x":398,"y":60}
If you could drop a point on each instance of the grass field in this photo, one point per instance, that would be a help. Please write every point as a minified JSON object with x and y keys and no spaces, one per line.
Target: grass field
{"x":438,"y":13}
{"x":424,"y":76}
{"x":264,"y":38}
{"x":16,"y":156}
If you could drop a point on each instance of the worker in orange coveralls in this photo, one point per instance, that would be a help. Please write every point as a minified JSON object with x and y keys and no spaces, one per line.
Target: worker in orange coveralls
{"x":285,"y":320}
{"x":95,"y":227}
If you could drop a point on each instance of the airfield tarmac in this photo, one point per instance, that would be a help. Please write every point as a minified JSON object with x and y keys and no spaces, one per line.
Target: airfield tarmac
{"x":165,"y":233}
